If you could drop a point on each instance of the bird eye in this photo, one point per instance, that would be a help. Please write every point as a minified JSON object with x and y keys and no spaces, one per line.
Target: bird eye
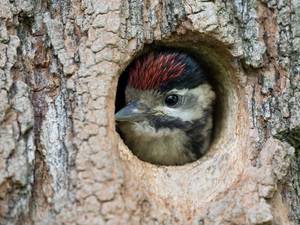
{"x":171,"y":100}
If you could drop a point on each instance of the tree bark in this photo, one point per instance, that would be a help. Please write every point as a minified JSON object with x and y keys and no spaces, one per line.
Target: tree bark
{"x":61,"y":159}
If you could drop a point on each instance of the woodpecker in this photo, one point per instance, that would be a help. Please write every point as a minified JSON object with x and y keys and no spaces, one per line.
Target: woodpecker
{"x":168,"y":116}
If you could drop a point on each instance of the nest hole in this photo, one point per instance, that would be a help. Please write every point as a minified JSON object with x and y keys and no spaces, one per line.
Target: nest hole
{"x":216,"y":63}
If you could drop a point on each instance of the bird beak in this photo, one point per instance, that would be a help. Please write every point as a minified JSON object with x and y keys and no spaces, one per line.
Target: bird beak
{"x":133,"y":111}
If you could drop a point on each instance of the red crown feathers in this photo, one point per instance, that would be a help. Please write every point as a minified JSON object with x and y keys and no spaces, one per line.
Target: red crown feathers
{"x":154,"y":70}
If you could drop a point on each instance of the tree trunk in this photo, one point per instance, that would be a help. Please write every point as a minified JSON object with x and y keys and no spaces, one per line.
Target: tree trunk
{"x":61,"y":159}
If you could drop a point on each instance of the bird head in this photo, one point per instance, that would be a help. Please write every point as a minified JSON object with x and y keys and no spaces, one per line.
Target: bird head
{"x":166,"y":88}
{"x":167,"y":118}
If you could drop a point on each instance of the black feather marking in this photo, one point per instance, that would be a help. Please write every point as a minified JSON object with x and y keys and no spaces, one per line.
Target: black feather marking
{"x":193,"y":130}
{"x":197,"y":138}
{"x":159,"y":122}
{"x":192,"y":76}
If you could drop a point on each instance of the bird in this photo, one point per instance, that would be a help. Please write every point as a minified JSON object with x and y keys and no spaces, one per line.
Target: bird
{"x":167,"y":118}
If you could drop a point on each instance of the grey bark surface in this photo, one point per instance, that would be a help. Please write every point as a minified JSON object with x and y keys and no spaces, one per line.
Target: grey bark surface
{"x":61,"y":160}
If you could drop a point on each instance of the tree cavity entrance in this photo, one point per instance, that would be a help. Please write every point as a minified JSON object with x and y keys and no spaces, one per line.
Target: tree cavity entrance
{"x":221,"y":83}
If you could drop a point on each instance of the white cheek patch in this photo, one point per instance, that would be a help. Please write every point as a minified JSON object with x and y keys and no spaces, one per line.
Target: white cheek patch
{"x":184,"y":115}
{"x":204,"y":97}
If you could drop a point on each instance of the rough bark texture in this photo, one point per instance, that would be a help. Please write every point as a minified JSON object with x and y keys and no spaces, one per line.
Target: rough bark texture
{"x":61,"y":160}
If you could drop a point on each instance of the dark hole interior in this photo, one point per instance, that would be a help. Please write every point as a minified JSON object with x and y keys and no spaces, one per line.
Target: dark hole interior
{"x":214,"y":80}
{"x":120,"y":96}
